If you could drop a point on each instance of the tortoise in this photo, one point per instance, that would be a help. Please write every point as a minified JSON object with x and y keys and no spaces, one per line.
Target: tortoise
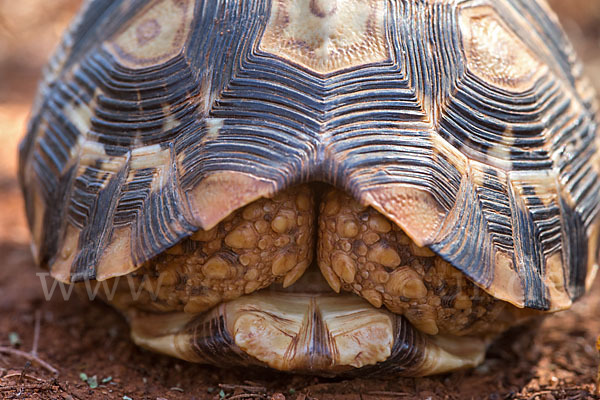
{"x":331,"y":187}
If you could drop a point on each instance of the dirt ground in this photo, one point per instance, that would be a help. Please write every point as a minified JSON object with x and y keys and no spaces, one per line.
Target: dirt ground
{"x":556,"y":361}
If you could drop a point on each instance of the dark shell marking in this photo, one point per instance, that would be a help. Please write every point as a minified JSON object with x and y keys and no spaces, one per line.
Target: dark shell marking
{"x":499,"y":177}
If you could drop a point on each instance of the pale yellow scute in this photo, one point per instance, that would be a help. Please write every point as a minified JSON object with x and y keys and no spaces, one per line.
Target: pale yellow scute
{"x":265,"y":330}
{"x":156,"y":35}
{"x":495,"y":53}
{"x":414,"y":210}
{"x":593,"y":255}
{"x":276,"y":330}
{"x":116,"y":258}
{"x":165,"y":333}
{"x":363,"y":337}
{"x":507,"y":284}
{"x":61,"y":268}
{"x":282,"y":331}
{"x":452,"y":353}
{"x":555,"y":282}
{"x":327,"y":35}
{"x":217,"y":195}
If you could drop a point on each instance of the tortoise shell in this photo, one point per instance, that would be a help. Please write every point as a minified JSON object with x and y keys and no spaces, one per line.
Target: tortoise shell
{"x":466,"y":123}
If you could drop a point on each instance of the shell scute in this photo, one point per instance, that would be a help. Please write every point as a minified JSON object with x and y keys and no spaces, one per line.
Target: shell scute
{"x":491,"y":163}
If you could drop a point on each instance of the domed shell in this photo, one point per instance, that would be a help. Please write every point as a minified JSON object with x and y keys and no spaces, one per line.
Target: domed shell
{"x":467,"y":123}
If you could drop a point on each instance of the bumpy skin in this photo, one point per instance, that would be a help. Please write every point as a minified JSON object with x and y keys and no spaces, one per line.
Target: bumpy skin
{"x":421,"y":315}
{"x":359,"y":251}
{"x":268,"y":241}
{"x":362,"y":252}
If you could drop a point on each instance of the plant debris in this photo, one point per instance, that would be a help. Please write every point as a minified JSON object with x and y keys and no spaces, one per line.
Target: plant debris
{"x":14,"y":339}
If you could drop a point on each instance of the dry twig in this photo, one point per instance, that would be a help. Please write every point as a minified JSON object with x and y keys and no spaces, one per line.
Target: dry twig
{"x":247,"y":388}
{"x":388,"y":394}
{"x":36,"y":332}
{"x":22,"y":387}
{"x":247,"y":396}
{"x":22,"y":375}
{"x":539,"y":393}
{"x":29,"y":357}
